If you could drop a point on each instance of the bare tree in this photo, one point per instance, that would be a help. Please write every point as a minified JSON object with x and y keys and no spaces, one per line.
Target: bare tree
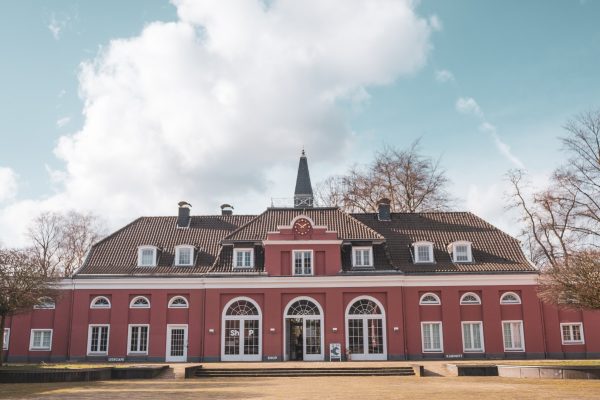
{"x":411,"y":181}
{"x":22,"y":284}
{"x":60,"y":242}
{"x":562,"y":221}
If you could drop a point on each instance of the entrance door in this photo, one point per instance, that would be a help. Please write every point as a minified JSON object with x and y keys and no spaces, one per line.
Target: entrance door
{"x":241,"y":331}
{"x":303,"y":331}
{"x":365,"y":330}
{"x":177,"y":343}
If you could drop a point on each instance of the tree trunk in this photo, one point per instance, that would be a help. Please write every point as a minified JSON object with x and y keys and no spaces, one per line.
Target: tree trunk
{"x":2,"y":325}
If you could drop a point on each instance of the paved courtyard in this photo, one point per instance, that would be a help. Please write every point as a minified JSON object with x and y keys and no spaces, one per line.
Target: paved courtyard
{"x":313,"y":388}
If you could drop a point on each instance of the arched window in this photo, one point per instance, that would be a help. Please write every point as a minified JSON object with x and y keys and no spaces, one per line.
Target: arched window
{"x":470,"y":298}
{"x":139,"y":302}
{"x":365,"y":329}
{"x":241,"y":331}
{"x":510,"y":298}
{"x":100,"y":302}
{"x":178,"y":302}
{"x":430,"y":299}
{"x":45,"y":303}
{"x":303,"y":319}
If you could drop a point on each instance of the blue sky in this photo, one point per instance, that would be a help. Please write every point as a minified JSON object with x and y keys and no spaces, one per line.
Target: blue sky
{"x":521,"y":69}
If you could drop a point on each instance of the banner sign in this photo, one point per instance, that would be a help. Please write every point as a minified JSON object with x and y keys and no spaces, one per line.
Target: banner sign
{"x":335,"y":352}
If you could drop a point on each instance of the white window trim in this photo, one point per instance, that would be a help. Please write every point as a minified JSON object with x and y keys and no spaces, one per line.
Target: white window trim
{"x":129,"y":352}
{"x":40,"y":307}
{"x":95,"y":306}
{"x":6,"y":338}
{"x":415,"y":247}
{"x":178,"y":249}
{"x":452,"y":248}
{"x":225,"y":317}
{"x":362,"y":248}
{"x":364,"y":317}
{"x":572,"y":342}
{"x":131,"y":303}
{"x":462,"y":303}
{"x":312,"y":260}
{"x":187,"y":304}
{"x":31,"y":348}
{"x":441,"y":349}
{"x":89,"y":342}
{"x":243,"y":249}
{"x":502,"y":301}
{"x":439,"y":301}
{"x":140,"y":249}
{"x":462,"y":330}
{"x":513,"y":350}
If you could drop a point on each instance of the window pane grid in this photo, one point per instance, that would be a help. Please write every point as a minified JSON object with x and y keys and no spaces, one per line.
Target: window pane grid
{"x":513,"y":339}
{"x":302,"y":263}
{"x":139,"y":339}
{"x":432,"y":340}
{"x":99,"y":339}
{"x":185,"y":256}
{"x":472,"y":336}
{"x":313,"y":336}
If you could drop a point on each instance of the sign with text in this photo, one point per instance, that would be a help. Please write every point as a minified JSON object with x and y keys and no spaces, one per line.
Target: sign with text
{"x":335,"y":352}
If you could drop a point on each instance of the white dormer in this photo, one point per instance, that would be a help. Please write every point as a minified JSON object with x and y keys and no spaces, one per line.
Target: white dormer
{"x":423,"y":252}
{"x":147,"y":256}
{"x":243,"y":257}
{"x":184,"y":256}
{"x":461,"y":251}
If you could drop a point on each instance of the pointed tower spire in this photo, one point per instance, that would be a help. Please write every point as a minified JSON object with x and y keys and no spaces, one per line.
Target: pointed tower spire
{"x":303,"y":195}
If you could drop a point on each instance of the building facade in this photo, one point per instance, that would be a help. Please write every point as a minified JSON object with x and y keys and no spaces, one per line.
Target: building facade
{"x":290,"y":282}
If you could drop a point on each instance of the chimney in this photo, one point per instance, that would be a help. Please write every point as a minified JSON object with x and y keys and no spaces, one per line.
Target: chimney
{"x":383,"y":210}
{"x":226,"y":209}
{"x":183,"y":216}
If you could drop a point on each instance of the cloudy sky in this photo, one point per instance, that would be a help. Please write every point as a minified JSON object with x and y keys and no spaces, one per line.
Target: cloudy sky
{"x":126,"y":108}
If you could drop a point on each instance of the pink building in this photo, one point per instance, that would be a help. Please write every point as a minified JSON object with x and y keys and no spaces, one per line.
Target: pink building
{"x":288,"y":283}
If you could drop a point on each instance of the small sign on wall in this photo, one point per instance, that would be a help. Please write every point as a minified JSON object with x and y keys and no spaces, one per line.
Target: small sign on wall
{"x":335,"y":352}
{"x":116,"y":359}
{"x":454,"y":356}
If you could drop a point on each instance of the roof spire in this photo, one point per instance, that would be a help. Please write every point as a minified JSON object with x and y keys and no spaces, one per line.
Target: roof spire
{"x":303,"y":195}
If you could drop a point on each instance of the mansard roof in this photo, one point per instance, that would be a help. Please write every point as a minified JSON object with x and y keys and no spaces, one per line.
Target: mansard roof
{"x":493,"y":250}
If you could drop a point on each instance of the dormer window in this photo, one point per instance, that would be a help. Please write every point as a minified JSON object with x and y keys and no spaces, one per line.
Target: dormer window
{"x":243,"y":258}
{"x":184,"y":256}
{"x":423,"y":252}
{"x":461,"y":252}
{"x":362,"y":256}
{"x":146,"y":256}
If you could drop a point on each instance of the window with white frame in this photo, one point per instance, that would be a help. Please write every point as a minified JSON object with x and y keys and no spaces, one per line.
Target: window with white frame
{"x":461,"y":252}
{"x":512,"y":332}
{"x":6,"y":338}
{"x":243,"y":258}
{"x":140,"y":302}
{"x":98,"y":339}
{"x":40,"y":339}
{"x":470,"y":298}
{"x":423,"y":252}
{"x":303,"y":262}
{"x":138,"y":339}
{"x":510,"y":298}
{"x":430,"y":299}
{"x":472,"y":333}
{"x":178,"y":302}
{"x":362,"y":256}
{"x":184,"y":256}
{"x":146,"y":256}
{"x":572,"y":333}
{"x":431,"y":334}
{"x":45,"y":303}
{"x":100,"y":302}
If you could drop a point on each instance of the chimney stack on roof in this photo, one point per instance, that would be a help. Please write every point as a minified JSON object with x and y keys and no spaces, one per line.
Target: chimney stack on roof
{"x":183,"y":215}
{"x":226,"y":209}
{"x":384,"y":210}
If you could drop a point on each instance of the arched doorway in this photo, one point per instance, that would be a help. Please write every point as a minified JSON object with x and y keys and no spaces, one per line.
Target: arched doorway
{"x":303,"y":320}
{"x":241,"y":327}
{"x":365,"y":329}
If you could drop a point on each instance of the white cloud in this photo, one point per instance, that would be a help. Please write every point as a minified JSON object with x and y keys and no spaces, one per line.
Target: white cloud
{"x":8,"y":184}
{"x":435,"y":22}
{"x":468,"y":105}
{"x":56,"y":26}
{"x":62,"y":121}
{"x":208,"y":108}
{"x":443,"y":75}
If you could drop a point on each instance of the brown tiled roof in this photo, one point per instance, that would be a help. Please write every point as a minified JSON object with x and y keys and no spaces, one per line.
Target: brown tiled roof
{"x":344,"y":224}
{"x":117,"y":254}
{"x":493,"y":250}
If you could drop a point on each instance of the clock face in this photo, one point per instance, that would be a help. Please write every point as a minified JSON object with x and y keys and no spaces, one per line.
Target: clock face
{"x":302,"y":227}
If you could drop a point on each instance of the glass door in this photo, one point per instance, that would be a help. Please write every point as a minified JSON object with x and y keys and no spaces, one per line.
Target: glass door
{"x":313,"y":349}
{"x":177,"y":343}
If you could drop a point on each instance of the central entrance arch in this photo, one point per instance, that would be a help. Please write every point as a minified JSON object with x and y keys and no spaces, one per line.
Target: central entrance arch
{"x":241,"y":337}
{"x":303,"y":326}
{"x":365,"y":329}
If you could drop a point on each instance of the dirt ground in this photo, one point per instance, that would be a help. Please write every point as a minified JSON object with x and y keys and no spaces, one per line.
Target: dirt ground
{"x":463,"y":388}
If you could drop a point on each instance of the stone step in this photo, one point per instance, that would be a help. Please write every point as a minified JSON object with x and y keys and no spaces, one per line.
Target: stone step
{"x":300,"y":372}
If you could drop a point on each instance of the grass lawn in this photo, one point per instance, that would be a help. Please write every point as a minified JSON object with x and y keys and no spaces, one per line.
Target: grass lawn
{"x":463,"y":388}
